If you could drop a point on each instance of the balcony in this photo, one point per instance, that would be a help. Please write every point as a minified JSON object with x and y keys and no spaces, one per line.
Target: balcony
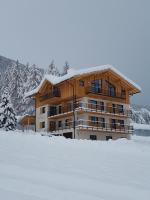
{"x":93,"y":126}
{"x":101,"y":109}
{"x":98,"y":91}
{"x":60,"y":110}
{"x":106,"y":127}
{"x":53,"y":93}
{"x":88,"y":107}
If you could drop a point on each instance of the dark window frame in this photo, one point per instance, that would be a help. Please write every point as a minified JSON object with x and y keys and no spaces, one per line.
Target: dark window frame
{"x":111,"y":89}
{"x":67,"y":122}
{"x":60,"y":109}
{"x":43,"y":110}
{"x":102,"y":105}
{"x":93,"y":137}
{"x":93,"y":103}
{"x":42,"y":124}
{"x":102,"y":122}
{"x":108,"y":137}
{"x":59,"y":124}
{"x":81,"y":83}
{"x":96,"y":85}
{"x":94,"y":121}
{"x":120,"y":108}
{"x":121,"y":123}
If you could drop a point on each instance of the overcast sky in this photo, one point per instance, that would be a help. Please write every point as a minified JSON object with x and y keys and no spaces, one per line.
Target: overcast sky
{"x":85,"y":32}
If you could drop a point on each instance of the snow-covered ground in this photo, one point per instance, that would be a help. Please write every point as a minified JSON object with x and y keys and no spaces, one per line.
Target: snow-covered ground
{"x":34,"y":167}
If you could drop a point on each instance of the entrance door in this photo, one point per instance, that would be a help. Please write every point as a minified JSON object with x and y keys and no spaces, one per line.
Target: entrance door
{"x":52,"y":126}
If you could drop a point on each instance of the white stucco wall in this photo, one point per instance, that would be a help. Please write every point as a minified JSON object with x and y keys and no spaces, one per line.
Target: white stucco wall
{"x":41,"y":117}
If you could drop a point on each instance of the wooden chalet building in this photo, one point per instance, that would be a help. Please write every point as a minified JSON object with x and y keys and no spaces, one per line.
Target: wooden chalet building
{"x":92,"y":103}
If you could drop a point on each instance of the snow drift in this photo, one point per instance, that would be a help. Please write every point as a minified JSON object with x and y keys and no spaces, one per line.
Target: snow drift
{"x":33,"y":167}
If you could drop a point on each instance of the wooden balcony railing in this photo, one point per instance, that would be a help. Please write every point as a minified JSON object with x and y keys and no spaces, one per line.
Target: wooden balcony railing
{"x":88,"y":107}
{"x":53,"y":93}
{"x":94,"y":126}
{"x":104,"y":92}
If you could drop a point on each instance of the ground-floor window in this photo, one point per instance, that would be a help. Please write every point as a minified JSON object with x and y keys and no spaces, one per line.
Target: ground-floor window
{"x":42,"y":124}
{"x":67,"y":122}
{"x":109,"y":137}
{"x":59,"y":124}
{"x":93,"y":137}
{"x":68,"y":135}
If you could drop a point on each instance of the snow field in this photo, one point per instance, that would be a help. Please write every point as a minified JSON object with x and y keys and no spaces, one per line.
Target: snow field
{"x":33,"y":167}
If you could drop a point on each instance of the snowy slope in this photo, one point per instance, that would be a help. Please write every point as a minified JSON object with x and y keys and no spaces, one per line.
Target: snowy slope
{"x":141,"y":114}
{"x":42,"y":168}
{"x":17,"y":79}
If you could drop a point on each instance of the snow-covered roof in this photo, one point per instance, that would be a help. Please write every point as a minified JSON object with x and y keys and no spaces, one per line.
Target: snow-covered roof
{"x":72,"y":73}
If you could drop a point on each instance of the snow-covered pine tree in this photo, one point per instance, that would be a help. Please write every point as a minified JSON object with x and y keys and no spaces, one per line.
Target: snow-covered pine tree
{"x":17,"y":86}
{"x":7,"y":114}
{"x":65,"y":68}
{"x":18,"y":79}
{"x":35,"y":76}
{"x":52,"y":69}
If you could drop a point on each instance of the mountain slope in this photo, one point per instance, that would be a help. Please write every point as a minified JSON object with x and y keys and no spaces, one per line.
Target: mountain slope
{"x":5,"y":63}
{"x":16,"y":79}
{"x":141,"y":114}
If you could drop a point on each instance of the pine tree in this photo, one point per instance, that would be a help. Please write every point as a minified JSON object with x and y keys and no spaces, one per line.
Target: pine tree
{"x":35,"y":76}
{"x":7,"y":115}
{"x":19,"y":79}
{"x":65,"y":68}
{"x":52,"y":69}
{"x":17,"y":88}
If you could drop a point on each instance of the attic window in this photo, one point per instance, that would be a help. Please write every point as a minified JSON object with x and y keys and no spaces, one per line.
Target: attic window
{"x":123,"y":92}
{"x":81,"y":83}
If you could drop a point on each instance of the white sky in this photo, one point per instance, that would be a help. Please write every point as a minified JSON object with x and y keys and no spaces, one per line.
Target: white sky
{"x":85,"y":32}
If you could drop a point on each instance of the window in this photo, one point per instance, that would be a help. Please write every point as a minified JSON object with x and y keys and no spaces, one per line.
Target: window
{"x":70,"y":106}
{"x":42,"y":124}
{"x":121,"y":123}
{"x":53,"y":110}
{"x":81,"y":83}
{"x":102,"y":122}
{"x":113,"y":123}
{"x":59,"y":124}
{"x":96,"y":86}
{"x":108,"y":138}
{"x":111,"y":89}
{"x":120,"y":108}
{"x":123,"y":93}
{"x":114,"y":108}
{"x":94,"y":120}
{"x":59,"y":109}
{"x":67,"y":122}
{"x":93,"y":104}
{"x":93,"y":137}
{"x":117,"y":108}
{"x":101,"y":105}
{"x":43,"y":110}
